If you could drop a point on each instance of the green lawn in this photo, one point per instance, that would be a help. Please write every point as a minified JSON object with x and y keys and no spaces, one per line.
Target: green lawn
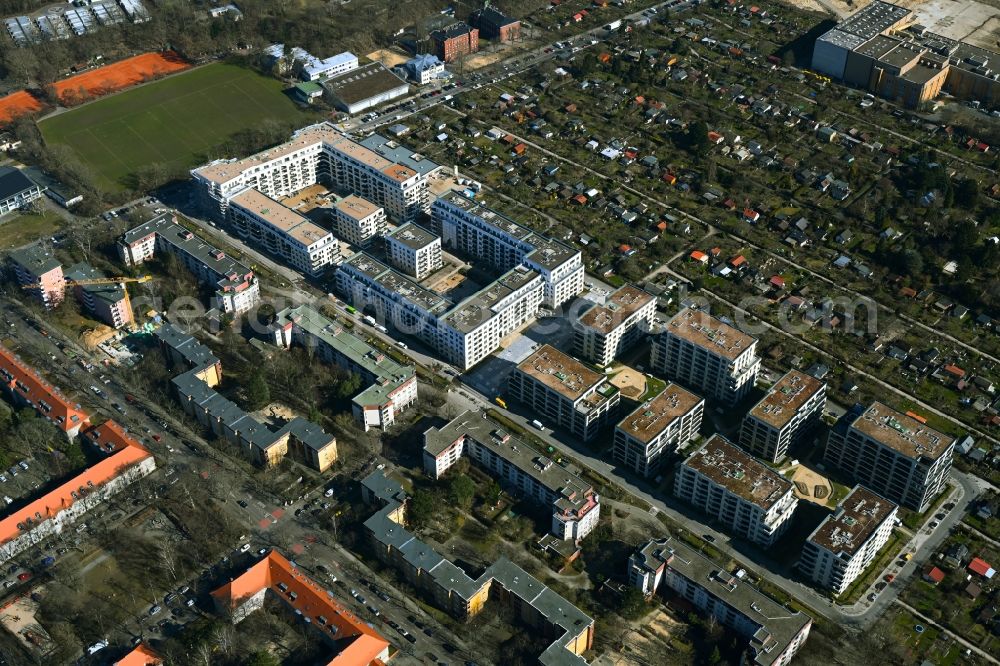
{"x":173,"y":123}
{"x":20,"y":229}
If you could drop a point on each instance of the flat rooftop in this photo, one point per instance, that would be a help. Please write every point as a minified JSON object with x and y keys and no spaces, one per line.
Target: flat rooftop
{"x":109,"y":293}
{"x":549,"y":253}
{"x":902,"y":433}
{"x":280,"y":217}
{"x":561,"y":372}
{"x":479,"y":308}
{"x":656,"y":415}
{"x":363,"y":83}
{"x":855,"y":520}
{"x":356,"y":208}
{"x":878,"y":46}
{"x":785,"y":398}
{"x":412,"y":236}
{"x":874,"y":19}
{"x":35,"y":259}
{"x":618,"y":307}
{"x":703,"y":330}
{"x":395,"y":282}
{"x":499,"y":221}
{"x":727,"y":465}
{"x":397,"y":152}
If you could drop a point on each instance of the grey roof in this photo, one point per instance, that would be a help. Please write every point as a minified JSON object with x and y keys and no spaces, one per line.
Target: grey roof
{"x":111,"y":293}
{"x":35,"y":259}
{"x":13,"y":182}
{"x":363,"y":83}
{"x":412,"y":236}
{"x":477,"y":308}
{"x":399,"y":154}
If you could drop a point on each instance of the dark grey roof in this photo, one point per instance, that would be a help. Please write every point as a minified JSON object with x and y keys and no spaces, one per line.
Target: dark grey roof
{"x":13,"y":182}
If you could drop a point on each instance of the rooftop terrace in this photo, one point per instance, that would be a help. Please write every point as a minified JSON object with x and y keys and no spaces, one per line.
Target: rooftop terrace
{"x":854,"y":521}
{"x":785,"y":398}
{"x":619,"y":306}
{"x":703,"y":330}
{"x":902,"y":433}
{"x":656,"y":415}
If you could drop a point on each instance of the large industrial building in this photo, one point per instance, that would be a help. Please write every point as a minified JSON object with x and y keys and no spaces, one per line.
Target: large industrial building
{"x":559,"y":389}
{"x":365,"y":87}
{"x":237,"y":289}
{"x":845,"y":543}
{"x":463,"y":334}
{"x":548,"y":614}
{"x":775,"y":632}
{"x":475,"y":229}
{"x":749,"y":498}
{"x":789,"y":410}
{"x":706,"y":354}
{"x":392,"y":387}
{"x":657,"y":429}
{"x":575,"y":504}
{"x":378,"y":170}
{"x":882,"y":49}
{"x":605,"y":331}
{"x":896,"y":455}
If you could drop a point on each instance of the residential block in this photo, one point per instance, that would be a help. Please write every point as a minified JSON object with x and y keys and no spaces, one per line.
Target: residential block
{"x":358,"y":221}
{"x":605,"y":331}
{"x":40,"y":273}
{"x":414,"y":250}
{"x":657,"y":428}
{"x":784,"y":416}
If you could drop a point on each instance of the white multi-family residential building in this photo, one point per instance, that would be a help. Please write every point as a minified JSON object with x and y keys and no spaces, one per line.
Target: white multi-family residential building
{"x":358,"y":221}
{"x":706,"y":354}
{"x":575,"y":504}
{"x":604,"y":331}
{"x":562,"y":391}
{"x":474,"y":229}
{"x":789,"y":410}
{"x":237,"y":288}
{"x":377,"y":169}
{"x":392,"y":387}
{"x":775,"y":633}
{"x":658,"y":428}
{"x":414,"y":250}
{"x":270,"y":226}
{"x":845,"y":543}
{"x":896,"y":455}
{"x":463,"y":334}
{"x":752,"y":500}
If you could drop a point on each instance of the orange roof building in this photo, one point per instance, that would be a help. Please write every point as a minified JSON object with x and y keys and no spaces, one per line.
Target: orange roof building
{"x":142,"y":655}
{"x":126,"y":462}
{"x":357,"y":643}
{"x":699,"y":256}
{"x":27,"y":388}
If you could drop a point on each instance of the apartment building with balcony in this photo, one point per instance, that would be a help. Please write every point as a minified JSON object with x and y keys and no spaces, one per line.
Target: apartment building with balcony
{"x":391,"y":386}
{"x":107,"y":302}
{"x":789,"y":411}
{"x":358,"y":221}
{"x":657,"y":429}
{"x":749,"y":498}
{"x":26,"y":388}
{"x":575,"y":504}
{"x":413,"y":250}
{"x":280,"y":231}
{"x":775,"y":633}
{"x":560,"y":390}
{"x":893,"y":454}
{"x":237,"y":289}
{"x":605,"y":331}
{"x":706,"y":354}
{"x":536,"y":606}
{"x":381,"y":171}
{"x":846,"y":542}
{"x":462,"y":334}
{"x":39,"y":273}
{"x":472,"y":228}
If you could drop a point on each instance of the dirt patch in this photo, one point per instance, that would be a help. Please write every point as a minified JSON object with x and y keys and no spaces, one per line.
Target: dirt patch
{"x":448,"y":283}
{"x":117,"y":76}
{"x":18,"y":104}
{"x":309,"y":198}
{"x":275,"y":412}
{"x":18,"y":617}
{"x":811,"y":485}
{"x":388,"y":57}
{"x":631,"y":383}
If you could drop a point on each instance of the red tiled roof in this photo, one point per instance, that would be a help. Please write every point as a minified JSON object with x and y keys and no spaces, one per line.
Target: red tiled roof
{"x":778,"y":281}
{"x":954,"y":370}
{"x":698,"y":255}
{"x":737,"y":261}
{"x":140,"y":656}
{"x":48,"y":402}
{"x":979,"y":566}
{"x":934,"y":575}
{"x":365,"y":645}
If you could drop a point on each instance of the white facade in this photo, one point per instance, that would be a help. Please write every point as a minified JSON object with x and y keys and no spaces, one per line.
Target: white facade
{"x":789,"y":411}
{"x":414,"y":250}
{"x":657,"y":429}
{"x":318,"y":153}
{"x":605,"y":331}
{"x":268,"y":225}
{"x":358,"y":221}
{"x":706,"y":354}
{"x":474,"y":229}
{"x":750,"y":499}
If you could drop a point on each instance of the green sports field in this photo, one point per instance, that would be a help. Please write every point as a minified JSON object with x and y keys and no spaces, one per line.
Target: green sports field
{"x":174,"y":123}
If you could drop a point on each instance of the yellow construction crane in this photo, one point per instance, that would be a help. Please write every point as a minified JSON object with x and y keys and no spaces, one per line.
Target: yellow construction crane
{"x":120,"y":281}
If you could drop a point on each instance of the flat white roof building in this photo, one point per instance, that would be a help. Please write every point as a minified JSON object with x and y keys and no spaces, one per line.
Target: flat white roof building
{"x":789,"y":410}
{"x":474,"y":229}
{"x":895,"y":455}
{"x":752,"y":500}
{"x":414,"y":250}
{"x":358,"y":221}
{"x":845,"y":543}
{"x":378,"y":170}
{"x":561,"y":390}
{"x":658,"y":428}
{"x":267,"y":224}
{"x":706,"y":354}
{"x":604,"y":331}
